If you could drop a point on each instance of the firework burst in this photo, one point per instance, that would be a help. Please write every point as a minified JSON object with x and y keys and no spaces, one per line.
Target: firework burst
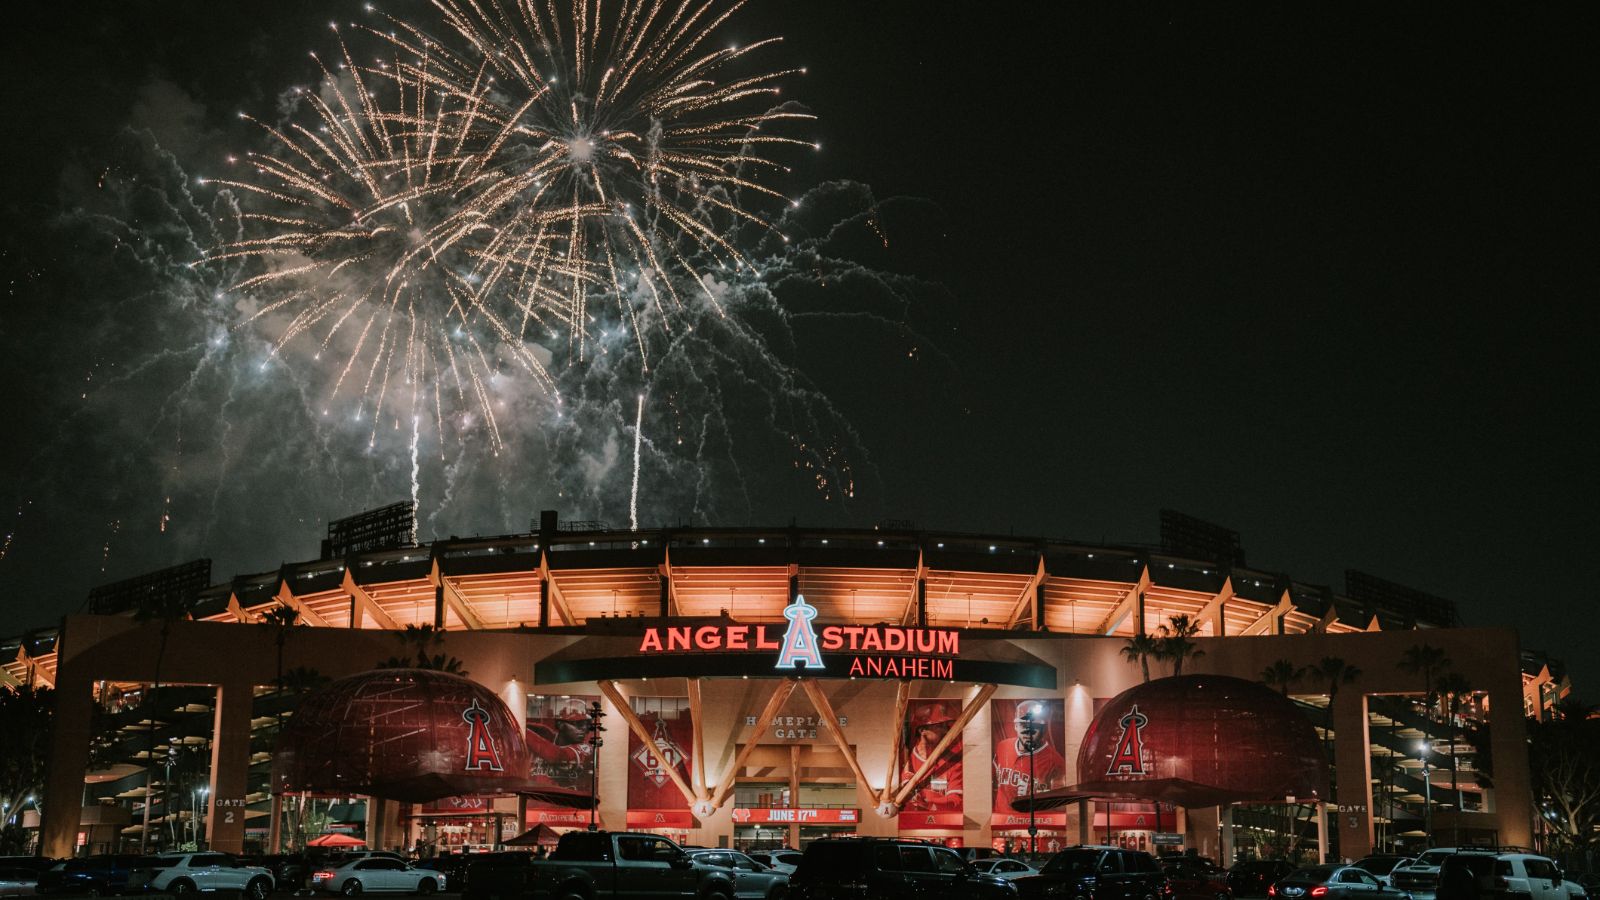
{"x":462,"y":206}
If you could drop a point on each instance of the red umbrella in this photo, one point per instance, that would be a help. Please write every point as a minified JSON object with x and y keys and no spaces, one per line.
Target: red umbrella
{"x":334,"y":839}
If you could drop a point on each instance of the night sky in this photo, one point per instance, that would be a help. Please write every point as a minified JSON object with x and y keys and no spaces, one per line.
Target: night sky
{"x":1325,"y":275}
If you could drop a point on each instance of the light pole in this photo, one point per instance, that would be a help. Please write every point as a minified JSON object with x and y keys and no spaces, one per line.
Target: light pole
{"x":1025,"y":718}
{"x":595,"y":742}
{"x":1427,"y":793}
{"x":199,"y":812}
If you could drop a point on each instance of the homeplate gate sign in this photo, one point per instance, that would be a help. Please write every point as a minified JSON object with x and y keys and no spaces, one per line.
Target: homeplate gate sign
{"x":865,"y":651}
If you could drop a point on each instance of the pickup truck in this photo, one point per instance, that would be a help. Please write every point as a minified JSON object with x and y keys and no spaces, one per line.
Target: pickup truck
{"x":599,"y":865}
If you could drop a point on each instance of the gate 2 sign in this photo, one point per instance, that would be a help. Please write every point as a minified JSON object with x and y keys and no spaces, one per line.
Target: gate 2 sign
{"x":873,"y":651}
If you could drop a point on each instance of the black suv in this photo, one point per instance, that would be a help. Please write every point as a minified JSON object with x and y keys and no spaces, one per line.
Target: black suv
{"x":1096,"y":873}
{"x":839,"y":868}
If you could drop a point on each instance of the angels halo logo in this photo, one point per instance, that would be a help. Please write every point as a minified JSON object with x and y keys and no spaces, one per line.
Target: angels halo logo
{"x":481,"y":752}
{"x":799,"y":640}
{"x":1129,"y":757}
{"x":654,"y":758}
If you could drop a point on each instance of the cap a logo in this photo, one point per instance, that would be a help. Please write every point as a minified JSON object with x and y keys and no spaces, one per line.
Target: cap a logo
{"x":1128,"y":758}
{"x":481,"y":752}
{"x":799,"y":641}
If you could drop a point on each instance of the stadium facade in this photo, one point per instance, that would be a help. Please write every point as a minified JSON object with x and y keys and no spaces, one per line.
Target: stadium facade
{"x":765,"y":687}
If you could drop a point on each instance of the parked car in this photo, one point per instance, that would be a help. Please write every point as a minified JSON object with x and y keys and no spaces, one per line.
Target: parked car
{"x":289,"y":870}
{"x":376,"y":874}
{"x":18,"y":882}
{"x":185,"y":873}
{"x":454,"y":865}
{"x":751,"y":879}
{"x":97,"y":876}
{"x":784,"y":861}
{"x":1333,"y":882}
{"x":31,"y":863}
{"x":598,"y":865}
{"x":1421,"y":877}
{"x":1476,"y":874}
{"x":890,"y":869}
{"x":1097,"y":872}
{"x":1002,"y":867}
{"x":1382,"y":865}
{"x":1251,"y":879}
{"x":1193,"y":878}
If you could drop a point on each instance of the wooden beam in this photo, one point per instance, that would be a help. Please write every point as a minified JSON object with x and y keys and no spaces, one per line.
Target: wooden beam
{"x":902,"y":697}
{"x":1264,"y":621}
{"x":614,"y":694}
{"x":697,"y":756}
{"x":453,"y":599}
{"x":1328,"y":618}
{"x":557,"y":599}
{"x":1027,"y":596}
{"x":909,"y":617}
{"x":831,"y":720}
{"x":1216,"y":608}
{"x":364,"y":602}
{"x":780,"y":695}
{"x":950,"y":737}
{"x":1126,"y":606}
{"x":36,"y":672}
{"x":307,"y":615}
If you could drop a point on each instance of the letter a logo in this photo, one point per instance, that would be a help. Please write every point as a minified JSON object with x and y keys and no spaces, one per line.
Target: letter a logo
{"x":1129,"y":756}
{"x":799,"y":641}
{"x":481,"y":753}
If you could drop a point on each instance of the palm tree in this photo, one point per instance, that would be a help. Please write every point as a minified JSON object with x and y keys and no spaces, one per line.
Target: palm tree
{"x":166,"y":608}
{"x":1175,"y":643}
{"x":298,"y":682}
{"x":1139,"y":649}
{"x":1427,"y":662}
{"x":1282,"y":674}
{"x":283,"y":619}
{"x":1455,"y":687}
{"x":1335,"y":672}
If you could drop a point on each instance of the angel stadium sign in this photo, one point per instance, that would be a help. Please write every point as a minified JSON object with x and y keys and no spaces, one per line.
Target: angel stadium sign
{"x":872,"y":651}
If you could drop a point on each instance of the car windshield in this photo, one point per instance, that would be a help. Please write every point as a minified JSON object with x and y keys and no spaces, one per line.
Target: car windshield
{"x":1379,"y":865}
{"x":1317,"y":874}
{"x":1073,"y":862}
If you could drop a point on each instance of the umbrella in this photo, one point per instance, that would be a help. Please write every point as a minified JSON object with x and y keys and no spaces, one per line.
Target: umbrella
{"x":538,"y":834}
{"x":335,"y":840}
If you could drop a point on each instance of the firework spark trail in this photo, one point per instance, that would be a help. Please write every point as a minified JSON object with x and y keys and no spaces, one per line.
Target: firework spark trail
{"x":638,"y":437}
{"x":547,"y":166}
{"x":416,"y":476}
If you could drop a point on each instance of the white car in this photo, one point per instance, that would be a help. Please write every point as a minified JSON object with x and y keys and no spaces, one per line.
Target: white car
{"x":18,"y":882}
{"x":1000,"y":867}
{"x":781,"y":861}
{"x":1421,"y":878}
{"x":376,"y":873}
{"x":186,"y":873}
{"x":1520,"y":875}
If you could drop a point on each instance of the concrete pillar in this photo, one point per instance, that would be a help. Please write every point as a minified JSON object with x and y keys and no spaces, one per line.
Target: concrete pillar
{"x":1354,"y":760}
{"x":1322,"y":832}
{"x":374,"y":829}
{"x":1508,"y":745}
{"x":69,"y":760}
{"x":1083,"y":821}
{"x":275,"y":825}
{"x":1225,"y":836}
{"x":230,"y":767}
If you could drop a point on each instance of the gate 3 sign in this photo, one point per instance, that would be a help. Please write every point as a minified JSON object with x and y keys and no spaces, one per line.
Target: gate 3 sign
{"x":884,"y":651}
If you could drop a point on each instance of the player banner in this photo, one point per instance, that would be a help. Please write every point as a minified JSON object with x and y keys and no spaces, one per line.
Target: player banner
{"x":925,"y":725}
{"x":1018,"y":740}
{"x":560,"y":756}
{"x":649,"y":785}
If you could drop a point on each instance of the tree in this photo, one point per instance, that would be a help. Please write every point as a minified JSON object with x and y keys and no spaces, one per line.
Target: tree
{"x":299,"y":681}
{"x":1175,"y":643}
{"x":1139,"y":649}
{"x":1566,"y":774}
{"x":1428,"y":662}
{"x":165,"y":608}
{"x":25,"y":717}
{"x":282,"y":619}
{"x":420,"y":639}
{"x":1282,"y":674}
{"x":1455,"y":688}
